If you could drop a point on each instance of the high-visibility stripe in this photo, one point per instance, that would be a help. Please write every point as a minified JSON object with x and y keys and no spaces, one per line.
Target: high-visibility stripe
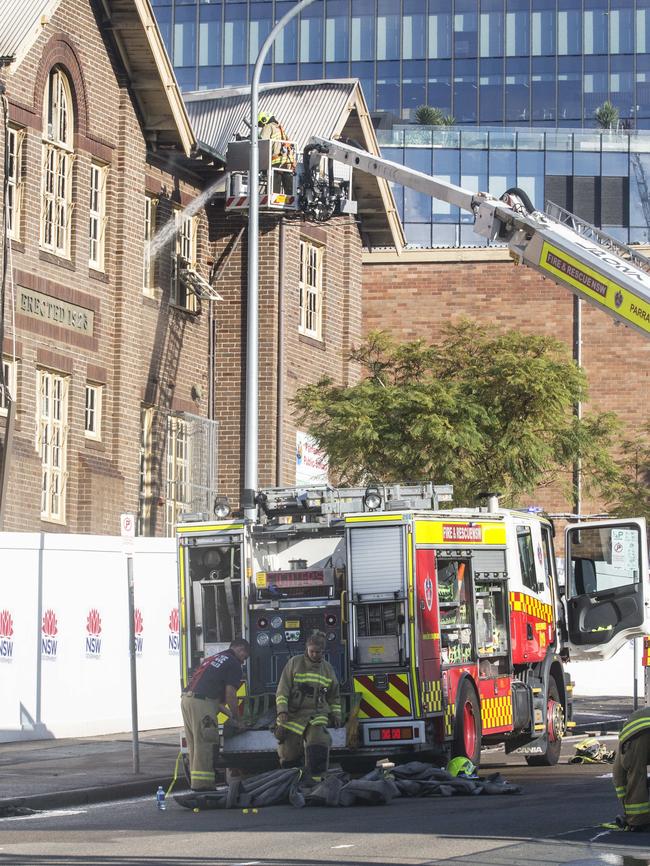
{"x":313,"y":678}
{"x":318,"y":720}
{"x":410,"y":576}
{"x":183,"y":624}
{"x":207,"y":527}
{"x":293,"y":726}
{"x":432,"y":696}
{"x":521,"y":601}
{"x":636,"y":808}
{"x":634,"y":727}
{"x":383,"y":703}
{"x":496,"y":712}
{"x":280,"y":699}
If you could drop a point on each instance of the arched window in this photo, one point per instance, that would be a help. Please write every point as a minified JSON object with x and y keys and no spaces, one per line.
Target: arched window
{"x":58,"y":157}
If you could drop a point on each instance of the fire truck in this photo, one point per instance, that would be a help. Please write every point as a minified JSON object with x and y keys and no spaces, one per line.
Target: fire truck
{"x":448,"y":629}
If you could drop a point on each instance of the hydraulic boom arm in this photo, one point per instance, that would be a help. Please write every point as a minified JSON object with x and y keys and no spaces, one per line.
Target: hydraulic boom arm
{"x":574,"y":254}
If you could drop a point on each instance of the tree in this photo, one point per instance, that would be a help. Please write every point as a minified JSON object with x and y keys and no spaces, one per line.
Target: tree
{"x":606,"y":115}
{"x":629,"y":494}
{"x":482,"y":410}
{"x":426,"y":115}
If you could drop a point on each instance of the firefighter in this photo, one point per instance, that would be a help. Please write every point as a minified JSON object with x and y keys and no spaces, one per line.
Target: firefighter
{"x":630,"y":770}
{"x":211,"y":690}
{"x":307,"y":698}
{"x":283,"y":156}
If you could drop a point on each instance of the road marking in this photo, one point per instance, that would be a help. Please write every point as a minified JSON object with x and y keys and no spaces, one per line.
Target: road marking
{"x":342,"y":846}
{"x":53,"y":813}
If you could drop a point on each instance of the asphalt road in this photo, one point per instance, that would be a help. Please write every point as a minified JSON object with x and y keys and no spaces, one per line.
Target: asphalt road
{"x":554,"y":821}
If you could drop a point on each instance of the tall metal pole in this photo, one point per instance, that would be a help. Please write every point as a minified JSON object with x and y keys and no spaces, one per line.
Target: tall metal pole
{"x":252,"y":325}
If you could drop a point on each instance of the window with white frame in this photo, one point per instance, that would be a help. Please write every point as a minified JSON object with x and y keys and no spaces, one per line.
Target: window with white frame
{"x":146,"y":469}
{"x":8,"y":388}
{"x":93,"y":411}
{"x":311,"y":290}
{"x":148,"y":266}
{"x":58,"y":157}
{"x":184,"y":258}
{"x":178,"y":472}
{"x":97,"y":215}
{"x":52,"y":436}
{"x":15,"y":138}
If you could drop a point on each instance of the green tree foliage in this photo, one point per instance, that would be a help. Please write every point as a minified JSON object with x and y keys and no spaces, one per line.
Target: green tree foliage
{"x":629,"y":494}
{"x":606,"y":115}
{"x":426,"y":115}
{"x":482,"y":410}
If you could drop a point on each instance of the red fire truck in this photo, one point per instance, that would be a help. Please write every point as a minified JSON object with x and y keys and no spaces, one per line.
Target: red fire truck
{"x":448,"y":629}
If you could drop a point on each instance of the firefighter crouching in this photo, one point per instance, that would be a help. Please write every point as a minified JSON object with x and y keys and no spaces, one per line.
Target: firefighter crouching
{"x":211,"y":690}
{"x":630,"y":770}
{"x":307,"y":698}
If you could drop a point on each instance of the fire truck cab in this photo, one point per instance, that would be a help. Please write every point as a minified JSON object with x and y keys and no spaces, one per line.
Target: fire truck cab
{"x":448,"y":629}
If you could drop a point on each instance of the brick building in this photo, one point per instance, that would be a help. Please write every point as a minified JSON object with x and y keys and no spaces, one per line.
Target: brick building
{"x":105,"y":347}
{"x":310,"y":273}
{"x":125,"y":312}
{"x":413,"y":295}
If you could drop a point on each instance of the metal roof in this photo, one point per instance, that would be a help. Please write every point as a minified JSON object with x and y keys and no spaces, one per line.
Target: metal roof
{"x":133,"y":29}
{"x":328,"y":109}
{"x":304,"y":108}
{"x":21,"y":22}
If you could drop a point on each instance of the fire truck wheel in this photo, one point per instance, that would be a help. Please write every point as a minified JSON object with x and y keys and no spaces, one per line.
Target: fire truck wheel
{"x":554,"y":730}
{"x":467,"y":734}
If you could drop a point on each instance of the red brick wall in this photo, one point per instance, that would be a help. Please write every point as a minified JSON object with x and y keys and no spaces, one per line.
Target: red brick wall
{"x":131,"y":340}
{"x":304,"y":360}
{"x":415,"y":299}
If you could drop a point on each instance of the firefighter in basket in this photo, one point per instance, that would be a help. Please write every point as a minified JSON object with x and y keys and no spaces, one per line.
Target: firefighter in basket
{"x":307,"y":699}
{"x":283,"y":156}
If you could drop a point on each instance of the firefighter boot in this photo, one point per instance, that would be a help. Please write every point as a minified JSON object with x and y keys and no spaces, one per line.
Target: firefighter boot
{"x":317,"y":761}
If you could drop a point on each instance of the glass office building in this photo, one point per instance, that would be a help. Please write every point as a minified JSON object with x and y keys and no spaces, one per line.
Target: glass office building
{"x":601,"y":177}
{"x":546,"y":63}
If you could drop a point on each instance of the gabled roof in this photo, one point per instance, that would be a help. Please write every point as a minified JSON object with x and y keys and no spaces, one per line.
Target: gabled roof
{"x":21,"y":23}
{"x":140,"y":48}
{"x":329,"y":109}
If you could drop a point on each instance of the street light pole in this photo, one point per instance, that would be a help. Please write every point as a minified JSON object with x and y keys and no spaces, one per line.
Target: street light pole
{"x":252,"y":325}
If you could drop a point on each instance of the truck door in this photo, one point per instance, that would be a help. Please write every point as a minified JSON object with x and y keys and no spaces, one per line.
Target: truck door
{"x":428,"y":630}
{"x":607,"y":586}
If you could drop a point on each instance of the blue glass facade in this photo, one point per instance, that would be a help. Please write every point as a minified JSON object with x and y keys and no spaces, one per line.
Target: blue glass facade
{"x":602,"y":177}
{"x":546,"y":63}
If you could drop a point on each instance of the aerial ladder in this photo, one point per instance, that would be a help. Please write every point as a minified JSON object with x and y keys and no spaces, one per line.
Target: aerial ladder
{"x":556,"y":244}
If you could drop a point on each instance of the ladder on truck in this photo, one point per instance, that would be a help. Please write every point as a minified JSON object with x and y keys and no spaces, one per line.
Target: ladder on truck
{"x":321,"y":502}
{"x":590,"y":264}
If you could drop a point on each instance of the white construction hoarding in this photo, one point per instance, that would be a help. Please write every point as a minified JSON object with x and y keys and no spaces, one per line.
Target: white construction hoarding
{"x":64,"y":636}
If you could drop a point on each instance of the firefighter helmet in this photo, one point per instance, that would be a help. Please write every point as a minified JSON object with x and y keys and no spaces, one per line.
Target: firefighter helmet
{"x":263,"y":118}
{"x":461,"y":767}
{"x":591,"y":751}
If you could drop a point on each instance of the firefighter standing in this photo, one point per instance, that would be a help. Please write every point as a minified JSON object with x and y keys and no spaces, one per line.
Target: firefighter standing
{"x":307,"y":698}
{"x":211,"y":690}
{"x":630,"y":770}
{"x":283,"y":156}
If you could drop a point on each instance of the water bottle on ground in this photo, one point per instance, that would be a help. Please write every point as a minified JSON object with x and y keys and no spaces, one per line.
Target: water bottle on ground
{"x":160,"y":798}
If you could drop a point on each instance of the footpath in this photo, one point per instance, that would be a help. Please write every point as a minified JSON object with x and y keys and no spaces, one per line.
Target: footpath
{"x":47,"y":774}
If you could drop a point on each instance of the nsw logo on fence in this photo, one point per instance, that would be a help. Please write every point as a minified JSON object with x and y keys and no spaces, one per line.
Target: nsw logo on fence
{"x":49,"y":631}
{"x":6,"y":636}
{"x":138,"y":628}
{"x":174,"y":639}
{"x":94,"y":629}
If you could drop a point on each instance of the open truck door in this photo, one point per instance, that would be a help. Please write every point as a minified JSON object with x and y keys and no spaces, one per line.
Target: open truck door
{"x":607,"y":586}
